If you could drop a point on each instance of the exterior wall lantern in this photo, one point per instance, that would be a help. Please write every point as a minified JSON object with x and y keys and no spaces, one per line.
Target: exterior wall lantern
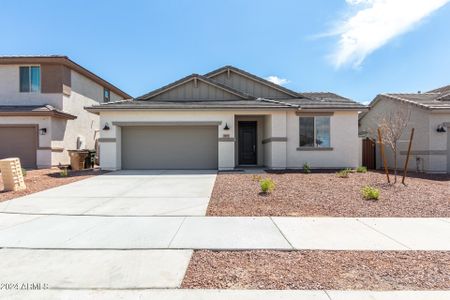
{"x":226,"y":127}
{"x":43,"y":131}
{"x":441,"y":128}
{"x":106,"y":127}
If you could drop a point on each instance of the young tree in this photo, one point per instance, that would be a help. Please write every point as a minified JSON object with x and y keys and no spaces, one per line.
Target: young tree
{"x":392,"y":125}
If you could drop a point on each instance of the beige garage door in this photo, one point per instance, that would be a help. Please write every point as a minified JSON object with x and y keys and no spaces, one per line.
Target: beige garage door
{"x":19,"y":142}
{"x":169,"y":147}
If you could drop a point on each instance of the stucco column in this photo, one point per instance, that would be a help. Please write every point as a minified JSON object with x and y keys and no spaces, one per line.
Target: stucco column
{"x":109,"y":144}
{"x":278,"y":140}
{"x":226,"y":143}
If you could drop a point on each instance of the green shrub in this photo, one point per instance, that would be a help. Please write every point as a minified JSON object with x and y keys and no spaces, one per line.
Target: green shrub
{"x":267,"y":185}
{"x":370,"y":193}
{"x":24,"y":172}
{"x":306,"y":168}
{"x":343,"y":173}
{"x":64,"y":172}
{"x":361,"y":169}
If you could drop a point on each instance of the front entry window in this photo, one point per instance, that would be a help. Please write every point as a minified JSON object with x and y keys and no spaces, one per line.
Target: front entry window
{"x":315,"y":132}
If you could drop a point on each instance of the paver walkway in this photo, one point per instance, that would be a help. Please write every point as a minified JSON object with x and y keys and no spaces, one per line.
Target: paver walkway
{"x":221,"y":233}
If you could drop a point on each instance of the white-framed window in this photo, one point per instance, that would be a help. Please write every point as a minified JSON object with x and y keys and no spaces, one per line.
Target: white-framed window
{"x":30,"y":79}
{"x":106,"y":95}
{"x":315,"y":132}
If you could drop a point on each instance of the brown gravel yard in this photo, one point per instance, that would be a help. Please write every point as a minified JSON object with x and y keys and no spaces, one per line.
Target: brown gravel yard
{"x":335,"y":270}
{"x":325,"y":194}
{"x":42,"y":179}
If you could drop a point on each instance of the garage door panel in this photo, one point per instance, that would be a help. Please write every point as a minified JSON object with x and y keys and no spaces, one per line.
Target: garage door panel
{"x":19,"y":142}
{"x":169,"y":147}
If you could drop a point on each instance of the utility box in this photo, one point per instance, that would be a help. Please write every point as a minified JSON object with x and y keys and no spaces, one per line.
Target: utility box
{"x":12,"y":174}
{"x":77,"y":158}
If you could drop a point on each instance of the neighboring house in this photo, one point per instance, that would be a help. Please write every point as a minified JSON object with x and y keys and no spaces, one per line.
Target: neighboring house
{"x":226,"y":119}
{"x":430,"y":118}
{"x":41,"y":108}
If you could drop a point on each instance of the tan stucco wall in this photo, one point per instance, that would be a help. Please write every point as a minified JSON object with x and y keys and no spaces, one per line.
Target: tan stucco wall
{"x":343,"y":138}
{"x":60,"y":133}
{"x":276,"y":124}
{"x":10,"y":95}
{"x":426,"y":140}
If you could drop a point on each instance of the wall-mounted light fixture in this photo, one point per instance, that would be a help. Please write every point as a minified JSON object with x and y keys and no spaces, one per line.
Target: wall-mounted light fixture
{"x":441,"y":128}
{"x":43,"y":131}
{"x":226,"y":127}
{"x":106,"y":127}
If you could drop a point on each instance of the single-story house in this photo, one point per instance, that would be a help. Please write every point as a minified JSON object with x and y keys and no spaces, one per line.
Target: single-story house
{"x":42,"y":100}
{"x":429,"y":115}
{"x":227,"y":119}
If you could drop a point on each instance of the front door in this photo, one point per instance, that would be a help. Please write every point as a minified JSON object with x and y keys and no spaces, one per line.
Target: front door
{"x":247,"y":142}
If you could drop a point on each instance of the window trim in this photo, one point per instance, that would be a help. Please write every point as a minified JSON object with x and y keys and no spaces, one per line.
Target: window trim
{"x":29,"y":79}
{"x":315,"y":147}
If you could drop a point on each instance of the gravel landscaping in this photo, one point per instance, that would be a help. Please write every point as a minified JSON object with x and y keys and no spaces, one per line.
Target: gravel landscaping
{"x":326,"y":194}
{"x":332,"y":270}
{"x":42,"y":179}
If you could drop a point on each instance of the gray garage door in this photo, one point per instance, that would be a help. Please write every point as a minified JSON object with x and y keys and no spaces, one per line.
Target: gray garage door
{"x":169,"y":147}
{"x":19,"y":142}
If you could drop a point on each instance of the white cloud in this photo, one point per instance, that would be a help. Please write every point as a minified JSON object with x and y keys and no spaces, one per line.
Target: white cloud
{"x":277,"y":80}
{"x":373,"y":23}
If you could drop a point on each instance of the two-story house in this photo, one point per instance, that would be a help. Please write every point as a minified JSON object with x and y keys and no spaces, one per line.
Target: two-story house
{"x":41,"y":108}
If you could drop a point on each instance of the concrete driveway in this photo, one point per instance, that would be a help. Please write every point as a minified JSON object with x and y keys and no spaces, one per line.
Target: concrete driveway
{"x":124,"y":193}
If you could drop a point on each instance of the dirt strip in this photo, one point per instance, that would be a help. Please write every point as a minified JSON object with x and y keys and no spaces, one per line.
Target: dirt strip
{"x":325,"y":194}
{"x":316,"y":270}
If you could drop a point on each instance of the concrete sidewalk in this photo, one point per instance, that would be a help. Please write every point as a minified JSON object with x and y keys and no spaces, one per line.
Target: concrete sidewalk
{"x":179,"y":294}
{"x":222,"y":233}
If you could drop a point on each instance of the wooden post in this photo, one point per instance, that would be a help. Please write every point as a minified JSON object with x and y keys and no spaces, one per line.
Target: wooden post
{"x":380,"y":141}
{"x":407,"y":155}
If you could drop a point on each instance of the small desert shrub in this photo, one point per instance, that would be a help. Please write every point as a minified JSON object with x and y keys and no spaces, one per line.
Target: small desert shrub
{"x":63,"y":172}
{"x":306,"y":168}
{"x":24,"y":172}
{"x":343,"y":173}
{"x":370,"y":193}
{"x":256,"y":178}
{"x":267,"y":185}
{"x":361,"y":169}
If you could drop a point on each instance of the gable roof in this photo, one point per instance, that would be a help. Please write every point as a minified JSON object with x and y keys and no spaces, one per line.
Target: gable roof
{"x":63,"y":60}
{"x":444,"y":89}
{"x":254,"y":78}
{"x":429,"y":101}
{"x":194,"y":77}
{"x":186,"y":99}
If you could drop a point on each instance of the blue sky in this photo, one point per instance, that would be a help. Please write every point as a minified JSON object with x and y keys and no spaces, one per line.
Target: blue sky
{"x":141,"y":45}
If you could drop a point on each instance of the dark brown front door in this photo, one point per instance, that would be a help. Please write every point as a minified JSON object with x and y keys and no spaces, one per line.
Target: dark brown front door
{"x":247,"y":143}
